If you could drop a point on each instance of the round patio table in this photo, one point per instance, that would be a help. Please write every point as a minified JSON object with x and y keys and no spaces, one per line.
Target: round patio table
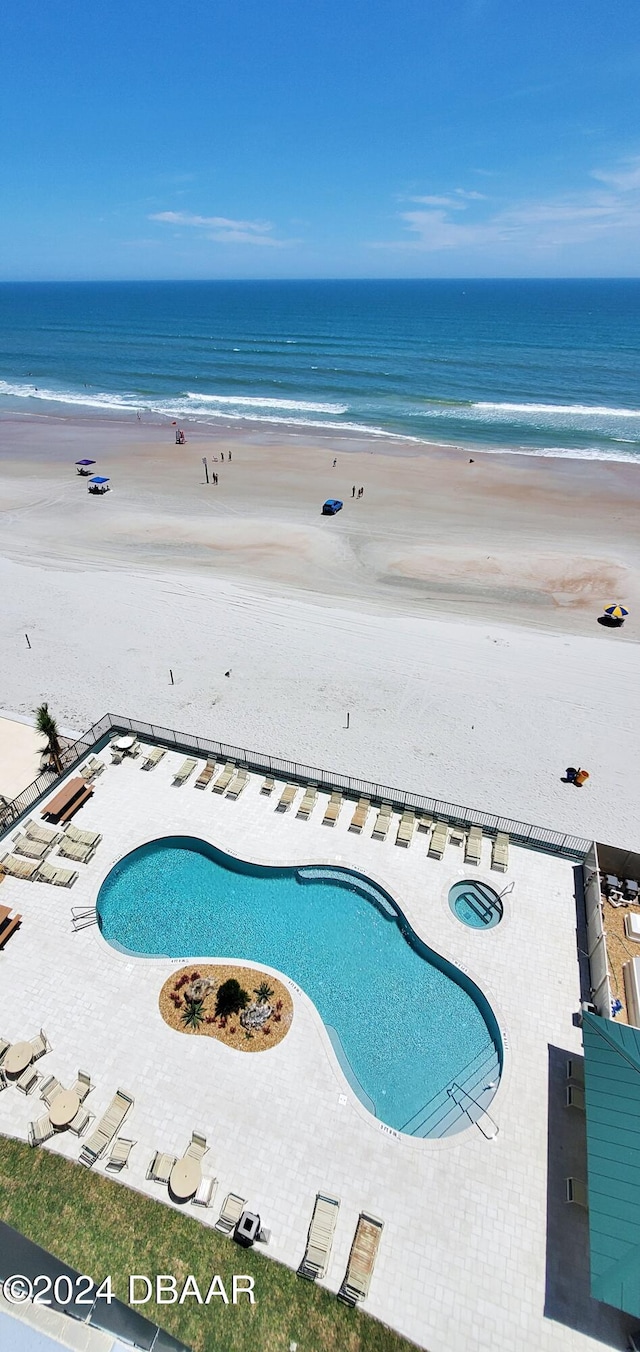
{"x":18,"y":1057}
{"x":63,"y":1108}
{"x":124,"y":743}
{"x":185,"y":1177}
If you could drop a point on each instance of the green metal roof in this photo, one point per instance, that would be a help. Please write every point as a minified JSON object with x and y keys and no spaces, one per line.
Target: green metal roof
{"x":612,"y":1093}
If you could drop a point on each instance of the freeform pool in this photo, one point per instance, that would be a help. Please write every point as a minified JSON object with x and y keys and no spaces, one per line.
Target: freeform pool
{"x":405,"y":1024}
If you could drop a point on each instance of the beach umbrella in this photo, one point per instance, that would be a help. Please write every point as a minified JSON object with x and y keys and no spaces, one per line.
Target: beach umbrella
{"x":98,"y":479}
{"x":616,"y":611}
{"x":85,"y":462}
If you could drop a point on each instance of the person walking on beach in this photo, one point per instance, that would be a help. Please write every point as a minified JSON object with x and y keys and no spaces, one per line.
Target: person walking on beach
{"x":229,"y":456}
{"x":222,"y":455}
{"x":335,"y":463}
{"x":353,"y":491}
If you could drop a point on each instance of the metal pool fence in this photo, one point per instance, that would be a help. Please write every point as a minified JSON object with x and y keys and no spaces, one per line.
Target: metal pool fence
{"x":520,"y":833}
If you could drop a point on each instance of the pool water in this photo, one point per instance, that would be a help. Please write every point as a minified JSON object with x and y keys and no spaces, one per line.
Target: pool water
{"x":404,"y":1023}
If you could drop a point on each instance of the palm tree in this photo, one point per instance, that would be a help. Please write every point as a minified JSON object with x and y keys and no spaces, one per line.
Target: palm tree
{"x":46,"y":724}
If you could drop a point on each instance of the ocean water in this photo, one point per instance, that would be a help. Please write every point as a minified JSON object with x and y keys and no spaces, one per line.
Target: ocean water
{"x":551,"y":367}
{"x":406,"y":1027}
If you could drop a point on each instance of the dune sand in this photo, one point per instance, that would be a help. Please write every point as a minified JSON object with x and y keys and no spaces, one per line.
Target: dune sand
{"x":452,"y":610}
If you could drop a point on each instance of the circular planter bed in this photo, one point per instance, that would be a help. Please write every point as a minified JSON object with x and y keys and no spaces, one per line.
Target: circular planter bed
{"x":189,"y":1002}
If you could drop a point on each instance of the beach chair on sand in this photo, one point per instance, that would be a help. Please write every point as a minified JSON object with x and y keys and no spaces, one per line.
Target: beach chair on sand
{"x":43,"y":834}
{"x":286,"y":797}
{"x":79,"y":837}
{"x":159,"y":1170}
{"x":357,"y":1278}
{"x":332,"y":811}
{"x":223,"y":781}
{"x":500,"y":852}
{"x":308,"y":803}
{"x":59,"y":877}
{"x":360,"y":815}
{"x":153,"y":757}
{"x":19,"y":868}
{"x":437,"y":844}
{"x":40,"y":1130}
{"x":187,"y":768}
{"x":319,"y":1238}
{"x":232,"y":1209}
{"x":473,"y":847}
{"x":206,"y":774}
{"x":383,"y":822}
{"x":268,"y":786}
{"x":119,"y":1157}
{"x":238,"y":784}
{"x":406,"y":828}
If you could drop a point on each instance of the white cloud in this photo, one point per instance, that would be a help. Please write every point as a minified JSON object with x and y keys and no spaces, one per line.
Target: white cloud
{"x":528,"y":225}
{"x":224,"y":230}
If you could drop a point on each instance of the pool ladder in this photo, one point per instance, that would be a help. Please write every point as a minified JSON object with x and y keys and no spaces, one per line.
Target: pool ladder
{"x":82,"y":917}
{"x":481,"y":1119}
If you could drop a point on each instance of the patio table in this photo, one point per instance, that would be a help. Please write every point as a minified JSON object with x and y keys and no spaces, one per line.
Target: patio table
{"x":124,"y":743}
{"x":63,"y":1108}
{"x":18,"y":1057}
{"x":185,"y":1177}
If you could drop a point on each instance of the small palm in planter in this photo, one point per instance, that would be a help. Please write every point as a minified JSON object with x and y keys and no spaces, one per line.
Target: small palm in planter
{"x":193,"y":1015}
{"x":263,"y":992}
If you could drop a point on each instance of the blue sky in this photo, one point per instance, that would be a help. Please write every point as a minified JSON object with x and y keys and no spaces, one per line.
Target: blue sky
{"x":320,"y":138}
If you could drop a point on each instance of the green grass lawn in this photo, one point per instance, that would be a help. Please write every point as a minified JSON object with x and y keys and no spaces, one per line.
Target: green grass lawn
{"x":101,"y":1227}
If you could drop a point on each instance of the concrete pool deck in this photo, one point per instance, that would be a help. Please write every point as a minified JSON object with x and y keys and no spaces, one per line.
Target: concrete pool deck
{"x":479,"y":1248}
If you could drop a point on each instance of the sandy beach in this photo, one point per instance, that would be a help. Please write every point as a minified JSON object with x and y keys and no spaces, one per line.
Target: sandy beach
{"x":452,"y":610}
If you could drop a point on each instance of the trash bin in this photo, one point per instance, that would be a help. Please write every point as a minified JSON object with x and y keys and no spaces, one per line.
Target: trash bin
{"x":247,"y":1229}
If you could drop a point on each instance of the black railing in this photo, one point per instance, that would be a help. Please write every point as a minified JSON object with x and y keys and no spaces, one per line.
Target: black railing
{"x":520,"y":833}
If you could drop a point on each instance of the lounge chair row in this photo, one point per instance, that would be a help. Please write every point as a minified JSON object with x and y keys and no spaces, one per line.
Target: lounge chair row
{"x":362,"y":1257}
{"x":34,"y":872}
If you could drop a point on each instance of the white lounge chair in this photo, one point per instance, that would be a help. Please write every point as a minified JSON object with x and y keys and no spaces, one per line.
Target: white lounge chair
{"x":332,"y":810}
{"x":83,"y":837}
{"x":223,"y":781}
{"x":108,"y":1127}
{"x":473,"y":848}
{"x":438,"y":842}
{"x":31,"y":849}
{"x":73,"y":849}
{"x":19,"y":868}
{"x":44,"y":834}
{"x":186,"y":769}
{"x":382,"y":822}
{"x":500,"y":852}
{"x":153,"y":758}
{"x":232,"y":1209}
{"x":319,"y":1238}
{"x":58,"y":877}
{"x":268,"y":786}
{"x":309,"y":800}
{"x":360,"y":815}
{"x":406,"y":829}
{"x":286,"y":797}
{"x":238,"y":783}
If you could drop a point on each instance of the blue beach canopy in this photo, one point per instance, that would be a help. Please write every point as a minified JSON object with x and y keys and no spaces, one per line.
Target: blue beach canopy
{"x":85,"y":462}
{"x":98,"y":479}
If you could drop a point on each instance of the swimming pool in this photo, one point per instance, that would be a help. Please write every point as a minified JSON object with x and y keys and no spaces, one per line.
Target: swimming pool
{"x":404,"y":1023}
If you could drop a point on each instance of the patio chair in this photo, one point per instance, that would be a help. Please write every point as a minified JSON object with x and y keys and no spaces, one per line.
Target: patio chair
{"x":4,"y":1047}
{"x":78,"y":1124}
{"x":332,"y":810}
{"x":92,"y":769}
{"x":206,"y":1192}
{"x":82,"y":1086}
{"x":49,"y":1088}
{"x":72,"y":849}
{"x":500,"y":852}
{"x":286,"y":797}
{"x":159,"y":1170}
{"x":268,"y":786}
{"x":40,"y":1045}
{"x":198,"y":1147}
{"x":575,"y":1097}
{"x":153,"y":757}
{"x":309,"y":800}
{"x":117,"y":756}
{"x":319,"y":1238}
{"x":223,"y":781}
{"x":40,"y":1130}
{"x":19,"y":868}
{"x":79,"y":837}
{"x":357,"y":1278}
{"x":32,"y":849}
{"x":360,"y":815}
{"x":188,"y":766}
{"x":119,"y":1157}
{"x":3,"y":1081}
{"x":28,"y":1080}
{"x":58,"y":877}
{"x":473,"y":847}
{"x":382,"y":822}
{"x":232,"y":1209}
{"x":108,"y":1127}
{"x":44,"y":834}
{"x":438,"y":842}
{"x":135,"y":750}
{"x":577,"y":1192}
{"x":238,"y":784}
{"x":406,"y":829}
{"x":206,"y":774}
